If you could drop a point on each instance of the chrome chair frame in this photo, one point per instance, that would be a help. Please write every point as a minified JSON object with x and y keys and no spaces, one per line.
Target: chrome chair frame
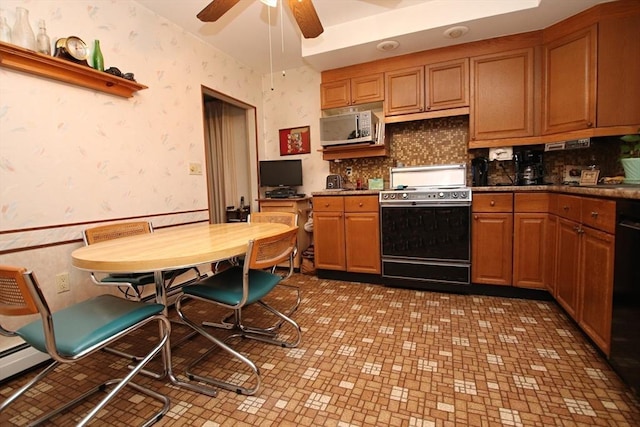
{"x":261,"y":254}
{"x":20,"y":294}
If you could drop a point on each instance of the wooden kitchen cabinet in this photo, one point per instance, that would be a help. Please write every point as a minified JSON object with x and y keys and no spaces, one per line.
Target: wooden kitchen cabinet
{"x":502,"y":95}
{"x":295,"y":206}
{"x":353,"y":91}
{"x":347,"y":233}
{"x":491,"y":239}
{"x":569,"y":81}
{"x":530,"y":234}
{"x":404,"y":91}
{"x":585,"y":261}
{"x":447,"y":84}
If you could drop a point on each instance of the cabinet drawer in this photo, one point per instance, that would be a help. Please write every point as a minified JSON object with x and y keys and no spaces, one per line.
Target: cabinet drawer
{"x":361,"y":204}
{"x":278,"y":206}
{"x":531,"y":202}
{"x":600,"y":214}
{"x":496,"y":202}
{"x":328,"y":203}
{"x":569,"y":207}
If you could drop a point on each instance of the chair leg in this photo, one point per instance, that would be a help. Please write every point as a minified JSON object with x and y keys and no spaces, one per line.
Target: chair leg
{"x":255,"y":372}
{"x":119,"y":385}
{"x":267,"y":335}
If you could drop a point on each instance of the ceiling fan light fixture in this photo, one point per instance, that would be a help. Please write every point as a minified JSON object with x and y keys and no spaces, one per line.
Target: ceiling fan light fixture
{"x":387,"y":45}
{"x":455,"y":32}
{"x":270,"y":3}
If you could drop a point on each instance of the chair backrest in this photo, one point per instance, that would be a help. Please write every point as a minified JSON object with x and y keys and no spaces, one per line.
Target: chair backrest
{"x":286,"y":218}
{"x":269,"y":251}
{"x":115,"y":231}
{"x":16,"y":299}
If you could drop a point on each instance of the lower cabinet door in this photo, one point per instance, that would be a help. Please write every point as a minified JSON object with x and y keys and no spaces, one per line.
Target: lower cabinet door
{"x":529,"y":237}
{"x":491,"y":248}
{"x":329,"y":242}
{"x":596,"y":286}
{"x":362,"y":231}
{"x":568,"y":266}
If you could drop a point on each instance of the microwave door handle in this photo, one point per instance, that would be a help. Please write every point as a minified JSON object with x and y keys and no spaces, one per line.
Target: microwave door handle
{"x":357,"y":126}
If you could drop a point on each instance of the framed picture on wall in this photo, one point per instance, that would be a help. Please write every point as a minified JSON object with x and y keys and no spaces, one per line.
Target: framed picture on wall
{"x":295,"y":141}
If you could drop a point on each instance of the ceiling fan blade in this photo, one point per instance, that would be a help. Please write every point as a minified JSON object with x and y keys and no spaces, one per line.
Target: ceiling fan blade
{"x":307,"y":18}
{"x":215,"y":10}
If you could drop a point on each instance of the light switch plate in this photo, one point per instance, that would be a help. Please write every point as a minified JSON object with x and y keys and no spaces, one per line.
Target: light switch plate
{"x":195,"y":168}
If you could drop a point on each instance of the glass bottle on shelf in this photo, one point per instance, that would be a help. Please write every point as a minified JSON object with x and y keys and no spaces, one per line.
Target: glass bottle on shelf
{"x":42,"y":41}
{"x":98,"y":60}
{"x":22,"y":34}
{"x":5,"y":29}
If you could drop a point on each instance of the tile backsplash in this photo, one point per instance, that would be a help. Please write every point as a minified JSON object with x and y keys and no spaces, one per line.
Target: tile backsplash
{"x":444,"y":141}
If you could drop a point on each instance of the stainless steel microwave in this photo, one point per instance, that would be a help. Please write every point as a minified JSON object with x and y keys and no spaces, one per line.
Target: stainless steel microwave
{"x":351,"y":128}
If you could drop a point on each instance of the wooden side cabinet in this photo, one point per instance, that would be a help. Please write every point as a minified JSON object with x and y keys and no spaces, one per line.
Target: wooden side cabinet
{"x":569,"y":82}
{"x":530,"y":237}
{"x":491,"y":239}
{"x":296,"y":206}
{"x":328,"y":233}
{"x":502,"y":95}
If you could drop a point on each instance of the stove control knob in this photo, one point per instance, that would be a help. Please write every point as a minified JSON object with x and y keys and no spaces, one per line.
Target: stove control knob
{"x":405,"y":196}
{"x":441,"y":195}
{"x":454,"y":195}
{"x":385,"y":196}
{"x":393,"y":196}
{"x":463,"y":194}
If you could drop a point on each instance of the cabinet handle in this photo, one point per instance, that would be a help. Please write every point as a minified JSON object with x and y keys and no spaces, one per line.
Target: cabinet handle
{"x":594,"y":214}
{"x":589,"y":124}
{"x":566,"y":208}
{"x":492,"y":203}
{"x":475,"y":217}
{"x":576,"y":228}
{"x":360,"y":204}
{"x":326,"y":205}
{"x":580,"y":230}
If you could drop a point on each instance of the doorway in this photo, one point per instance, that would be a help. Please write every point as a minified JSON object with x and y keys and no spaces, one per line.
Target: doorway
{"x":230,"y":153}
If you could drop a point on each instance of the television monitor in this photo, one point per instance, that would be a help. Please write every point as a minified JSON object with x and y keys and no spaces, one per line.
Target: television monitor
{"x":280,"y":173}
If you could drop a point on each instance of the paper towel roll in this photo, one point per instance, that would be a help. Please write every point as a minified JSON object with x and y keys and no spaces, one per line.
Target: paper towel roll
{"x":501,"y":153}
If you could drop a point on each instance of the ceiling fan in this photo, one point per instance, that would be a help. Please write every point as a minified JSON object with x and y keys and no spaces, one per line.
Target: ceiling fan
{"x":303,"y":11}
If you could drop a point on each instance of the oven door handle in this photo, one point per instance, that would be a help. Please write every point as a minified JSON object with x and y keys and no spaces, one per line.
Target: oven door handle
{"x":425,"y":205}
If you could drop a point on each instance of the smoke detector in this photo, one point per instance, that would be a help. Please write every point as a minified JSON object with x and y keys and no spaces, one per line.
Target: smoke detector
{"x":455,"y":32}
{"x":387,"y":45}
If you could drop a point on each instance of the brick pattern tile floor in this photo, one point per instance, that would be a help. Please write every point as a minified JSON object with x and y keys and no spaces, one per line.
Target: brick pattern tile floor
{"x":375,"y":356}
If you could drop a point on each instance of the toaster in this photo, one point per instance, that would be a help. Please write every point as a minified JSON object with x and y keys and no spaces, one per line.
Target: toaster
{"x":334,"y":182}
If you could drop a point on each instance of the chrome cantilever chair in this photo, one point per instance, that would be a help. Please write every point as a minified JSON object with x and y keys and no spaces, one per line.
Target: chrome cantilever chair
{"x":286,"y":218}
{"x":130,"y":284}
{"x":76,"y":332}
{"x":235,"y":288}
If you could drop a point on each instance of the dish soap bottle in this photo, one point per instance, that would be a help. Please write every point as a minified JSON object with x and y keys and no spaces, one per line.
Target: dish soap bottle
{"x":98,"y":60}
{"x":42,"y":41}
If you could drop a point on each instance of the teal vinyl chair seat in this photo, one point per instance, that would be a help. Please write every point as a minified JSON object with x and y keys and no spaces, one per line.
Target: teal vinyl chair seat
{"x":82,"y":326}
{"x":226,"y":287}
{"x":137,"y":279}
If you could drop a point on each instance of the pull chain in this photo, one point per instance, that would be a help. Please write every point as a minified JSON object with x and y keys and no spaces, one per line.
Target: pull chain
{"x":270,"y":49}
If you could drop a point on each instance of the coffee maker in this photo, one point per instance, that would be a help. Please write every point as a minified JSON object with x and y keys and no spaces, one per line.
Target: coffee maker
{"x":479,"y":171}
{"x":528,"y":167}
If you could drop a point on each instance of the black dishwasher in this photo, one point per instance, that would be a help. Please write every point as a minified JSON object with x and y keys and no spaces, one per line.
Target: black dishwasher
{"x":625,"y":325}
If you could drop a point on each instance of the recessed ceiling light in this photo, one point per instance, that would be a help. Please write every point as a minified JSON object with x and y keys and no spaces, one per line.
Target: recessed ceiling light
{"x":456,"y":32}
{"x":387,"y":45}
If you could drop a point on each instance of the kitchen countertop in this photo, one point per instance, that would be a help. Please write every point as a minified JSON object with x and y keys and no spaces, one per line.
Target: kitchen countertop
{"x":621,"y":191}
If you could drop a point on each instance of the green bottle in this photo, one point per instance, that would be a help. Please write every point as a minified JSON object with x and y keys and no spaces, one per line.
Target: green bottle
{"x":98,"y":60}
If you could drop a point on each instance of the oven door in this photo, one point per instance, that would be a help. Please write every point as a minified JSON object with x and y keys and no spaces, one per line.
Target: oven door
{"x":428,"y":243}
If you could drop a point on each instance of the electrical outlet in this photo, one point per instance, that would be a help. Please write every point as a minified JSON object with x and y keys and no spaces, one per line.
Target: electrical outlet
{"x":349,"y":171}
{"x":62,"y":282}
{"x":195,"y":168}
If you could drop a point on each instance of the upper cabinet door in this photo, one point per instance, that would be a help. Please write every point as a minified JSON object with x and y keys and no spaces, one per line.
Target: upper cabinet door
{"x":367,"y":89}
{"x":335,"y":94}
{"x":502,"y":98}
{"x":619,"y":70}
{"x":447,"y":85}
{"x":404,"y":91}
{"x":569,"y":82}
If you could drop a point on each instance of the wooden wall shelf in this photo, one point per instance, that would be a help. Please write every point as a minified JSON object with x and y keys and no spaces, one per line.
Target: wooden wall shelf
{"x":20,"y":59}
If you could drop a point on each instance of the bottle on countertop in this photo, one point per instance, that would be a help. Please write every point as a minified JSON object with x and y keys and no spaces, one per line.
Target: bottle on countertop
{"x":22,"y":33}
{"x":5,"y":29}
{"x":242,"y":202}
{"x":43,"y":41}
{"x":98,"y":59}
